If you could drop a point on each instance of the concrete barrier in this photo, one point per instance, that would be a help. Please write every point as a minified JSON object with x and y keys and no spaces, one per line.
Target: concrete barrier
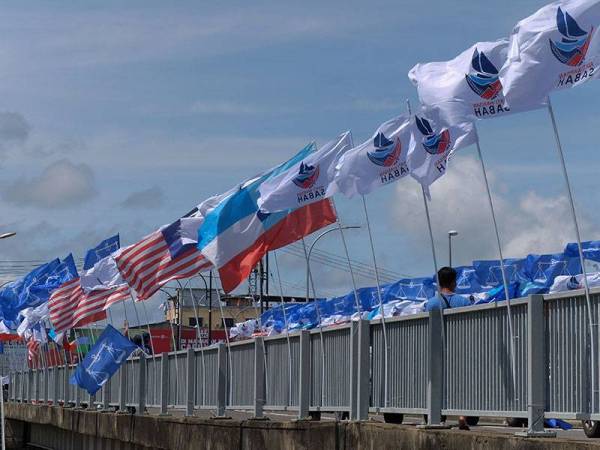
{"x":72,"y":429}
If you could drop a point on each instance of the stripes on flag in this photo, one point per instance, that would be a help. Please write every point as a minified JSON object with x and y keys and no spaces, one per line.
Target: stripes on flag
{"x":33,"y":348}
{"x":70,"y":306}
{"x":148,"y":264}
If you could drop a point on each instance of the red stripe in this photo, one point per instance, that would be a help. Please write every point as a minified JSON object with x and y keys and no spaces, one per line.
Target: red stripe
{"x":299,"y":223}
{"x":186,"y":270}
{"x":127,"y":258}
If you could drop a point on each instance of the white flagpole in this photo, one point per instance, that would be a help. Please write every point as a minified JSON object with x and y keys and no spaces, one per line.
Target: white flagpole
{"x":228,"y":345}
{"x":503,"y":269}
{"x":341,"y":228}
{"x":580,"y":248}
{"x":385,"y":339}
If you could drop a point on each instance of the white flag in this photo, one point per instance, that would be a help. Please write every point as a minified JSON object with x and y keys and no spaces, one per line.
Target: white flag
{"x":376,"y":162}
{"x":433,"y":143}
{"x":466,"y":86}
{"x":305,"y":182}
{"x":557,"y":47}
{"x":103,"y":275}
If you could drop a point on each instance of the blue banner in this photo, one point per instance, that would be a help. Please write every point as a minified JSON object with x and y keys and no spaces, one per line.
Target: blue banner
{"x":543,"y":269}
{"x":591,"y":250}
{"x":489,"y":272}
{"x":103,"y":360}
{"x":101,"y":251}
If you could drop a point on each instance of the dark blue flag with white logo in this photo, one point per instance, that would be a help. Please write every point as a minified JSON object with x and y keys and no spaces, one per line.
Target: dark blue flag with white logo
{"x":102,"y":250}
{"x":591,"y":250}
{"x":103,"y":360}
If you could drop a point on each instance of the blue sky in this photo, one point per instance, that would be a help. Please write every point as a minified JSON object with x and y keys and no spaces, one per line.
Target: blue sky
{"x":123,"y":116}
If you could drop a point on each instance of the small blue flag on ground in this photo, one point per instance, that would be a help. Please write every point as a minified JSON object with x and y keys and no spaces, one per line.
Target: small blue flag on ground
{"x":103,"y":360}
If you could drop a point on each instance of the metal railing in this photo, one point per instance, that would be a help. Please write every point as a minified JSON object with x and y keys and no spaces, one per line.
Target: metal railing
{"x":460,"y":365}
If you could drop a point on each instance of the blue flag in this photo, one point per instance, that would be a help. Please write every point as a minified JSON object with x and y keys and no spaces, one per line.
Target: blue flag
{"x":591,"y":250}
{"x":543,"y":269}
{"x":102,"y":250}
{"x":108,"y":354}
{"x":489,"y":272}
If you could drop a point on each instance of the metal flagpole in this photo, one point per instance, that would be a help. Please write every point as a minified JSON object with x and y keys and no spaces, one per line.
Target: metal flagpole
{"x":198,"y":336}
{"x":381,"y":311}
{"x":504,"y":280}
{"x":435,"y":264}
{"x":309,"y":278}
{"x":287,"y":330}
{"x":339,"y":223}
{"x":580,"y":248}
{"x":174,"y":344}
{"x":227,"y":343}
{"x":155,"y":384}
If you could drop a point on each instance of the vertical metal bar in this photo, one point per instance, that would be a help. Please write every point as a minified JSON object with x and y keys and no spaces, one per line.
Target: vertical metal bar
{"x":354,"y":368}
{"x":592,"y":325}
{"x":143,"y":386}
{"x":536,"y":368}
{"x":191,"y":381}
{"x":66,"y":383}
{"x":363,"y":387}
{"x":221,"y":379}
{"x":106,"y":396}
{"x":259,"y":377}
{"x":46,"y":374}
{"x":123,"y":387}
{"x":56,"y":384}
{"x":436,"y":374}
{"x":77,"y":396}
{"x":164,"y":383}
{"x":304,"y":375}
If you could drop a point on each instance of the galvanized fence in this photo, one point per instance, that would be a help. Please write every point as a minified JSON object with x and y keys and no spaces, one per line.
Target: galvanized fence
{"x":458,"y":363}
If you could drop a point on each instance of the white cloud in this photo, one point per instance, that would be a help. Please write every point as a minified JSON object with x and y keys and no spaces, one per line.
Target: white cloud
{"x":61,"y":184}
{"x":531,"y":223}
{"x":147,"y":198}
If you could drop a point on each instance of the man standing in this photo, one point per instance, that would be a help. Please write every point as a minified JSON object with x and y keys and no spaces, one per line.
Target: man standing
{"x":446,"y":298}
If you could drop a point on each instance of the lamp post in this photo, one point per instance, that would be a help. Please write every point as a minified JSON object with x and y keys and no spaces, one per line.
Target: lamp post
{"x":348,"y":227}
{"x":451,"y":234}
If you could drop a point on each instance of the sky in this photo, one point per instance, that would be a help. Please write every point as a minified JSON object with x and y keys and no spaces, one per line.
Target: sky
{"x":121,"y":117}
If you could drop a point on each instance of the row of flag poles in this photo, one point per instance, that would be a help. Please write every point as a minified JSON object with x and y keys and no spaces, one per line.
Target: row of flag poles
{"x":556,"y":48}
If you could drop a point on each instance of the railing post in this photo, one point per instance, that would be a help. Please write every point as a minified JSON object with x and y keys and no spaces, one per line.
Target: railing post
{"x":304,"y":377}
{"x":77,"y":396}
{"x":363,"y":387}
{"x":143,"y":387}
{"x":66,"y":385}
{"x":221,"y":380}
{"x":37,"y":385}
{"x":23,"y":384}
{"x":259,"y":377}
{"x":164,"y":383}
{"x":46,"y":385}
{"x":435,"y":376}
{"x":106,"y":396}
{"x":537,"y":372}
{"x":123,"y":388}
{"x":353,"y":370}
{"x":190,"y":382}
{"x":56,"y":385}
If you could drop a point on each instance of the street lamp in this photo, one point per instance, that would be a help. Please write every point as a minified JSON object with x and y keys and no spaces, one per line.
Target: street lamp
{"x":348,"y":227}
{"x":7,"y":235}
{"x":451,"y":234}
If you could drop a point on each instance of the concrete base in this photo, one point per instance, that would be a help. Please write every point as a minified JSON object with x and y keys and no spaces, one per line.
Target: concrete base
{"x":67,"y":429}
{"x":434,"y":427}
{"x":536,"y":434}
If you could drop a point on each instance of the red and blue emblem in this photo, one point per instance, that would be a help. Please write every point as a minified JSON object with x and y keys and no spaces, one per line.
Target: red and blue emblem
{"x":574,"y":44}
{"x":433,"y":143}
{"x":307,"y":176}
{"x":484,"y":80}
{"x":386,"y":152}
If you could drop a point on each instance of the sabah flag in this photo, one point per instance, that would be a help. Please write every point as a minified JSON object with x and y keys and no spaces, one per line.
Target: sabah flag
{"x":466,"y":86}
{"x":305,"y":182}
{"x":557,"y":47}
{"x":236,"y":234}
{"x":376,"y":162}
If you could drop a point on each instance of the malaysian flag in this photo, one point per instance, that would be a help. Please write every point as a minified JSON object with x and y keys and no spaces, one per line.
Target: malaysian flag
{"x":70,"y":306}
{"x":83,"y":300}
{"x":33,"y":349}
{"x":167,"y":254}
